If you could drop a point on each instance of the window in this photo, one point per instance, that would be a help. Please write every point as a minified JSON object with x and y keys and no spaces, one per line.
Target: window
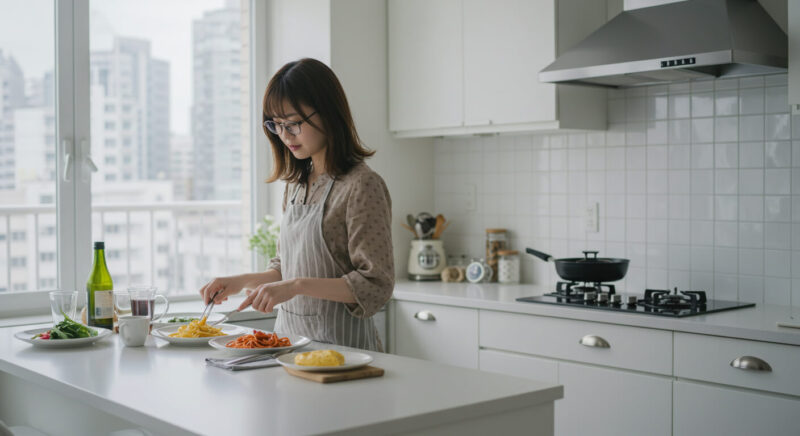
{"x":143,"y":97}
{"x":47,"y":283}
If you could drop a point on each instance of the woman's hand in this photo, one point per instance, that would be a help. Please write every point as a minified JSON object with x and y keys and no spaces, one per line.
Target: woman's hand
{"x":266,"y":296}
{"x":228,"y":285}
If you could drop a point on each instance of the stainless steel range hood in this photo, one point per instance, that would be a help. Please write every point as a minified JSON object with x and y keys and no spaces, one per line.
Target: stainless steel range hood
{"x":675,"y":41}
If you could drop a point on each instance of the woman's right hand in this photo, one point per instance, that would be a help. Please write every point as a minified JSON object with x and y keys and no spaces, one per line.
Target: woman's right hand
{"x":227,"y":285}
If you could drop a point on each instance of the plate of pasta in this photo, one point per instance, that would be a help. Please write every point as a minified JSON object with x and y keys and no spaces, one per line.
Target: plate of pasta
{"x":259,"y":342}
{"x":196,"y":332}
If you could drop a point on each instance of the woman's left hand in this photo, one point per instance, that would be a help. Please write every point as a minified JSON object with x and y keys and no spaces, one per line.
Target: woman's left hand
{"x":265,"y":297}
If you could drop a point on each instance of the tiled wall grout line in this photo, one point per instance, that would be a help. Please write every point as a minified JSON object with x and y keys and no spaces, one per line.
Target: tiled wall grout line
{"x":722,"y":242}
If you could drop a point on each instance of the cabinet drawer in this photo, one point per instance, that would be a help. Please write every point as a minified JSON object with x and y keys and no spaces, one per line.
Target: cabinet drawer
{"x":441,"y":334}
{"x":534,"y":368}
{"x":629,"y":347}
{"x":711,"y":410}
{"x":709,"y":358}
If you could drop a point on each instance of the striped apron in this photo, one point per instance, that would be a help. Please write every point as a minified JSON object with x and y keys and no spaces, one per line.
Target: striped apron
{"x":305,"y":254}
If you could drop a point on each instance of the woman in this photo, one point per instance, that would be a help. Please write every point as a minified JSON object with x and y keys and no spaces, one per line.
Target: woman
{"x":334,"y":268}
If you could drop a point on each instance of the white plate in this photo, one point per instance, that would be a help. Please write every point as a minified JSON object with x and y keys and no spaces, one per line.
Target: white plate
{"x":352,"y":360}
{"x":27,"y":335}
{"x":162,"y":322}
{"x":165,"y":332}
{"x":220,"y":342}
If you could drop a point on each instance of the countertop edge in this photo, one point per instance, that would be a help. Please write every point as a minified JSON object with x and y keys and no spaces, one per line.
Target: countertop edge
{"x":457,"y":414}
{"x":684,"y":325}
{"x":120,"y":410}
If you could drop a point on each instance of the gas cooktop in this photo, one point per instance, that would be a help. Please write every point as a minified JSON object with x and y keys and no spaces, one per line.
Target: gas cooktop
{"x":676,"y":304}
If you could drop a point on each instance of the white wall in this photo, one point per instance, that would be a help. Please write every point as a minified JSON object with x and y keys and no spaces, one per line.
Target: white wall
{"x":698,"y":185}
{"x":351,"y":36}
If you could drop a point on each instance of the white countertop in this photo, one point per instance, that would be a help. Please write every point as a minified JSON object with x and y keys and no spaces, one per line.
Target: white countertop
{"x":185,"y":305}
{"x":756,"y":323}
{"x":170,"y":390}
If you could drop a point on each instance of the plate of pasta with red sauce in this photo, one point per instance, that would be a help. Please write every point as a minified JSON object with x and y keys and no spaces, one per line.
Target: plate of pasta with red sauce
{"x":259,"y":342}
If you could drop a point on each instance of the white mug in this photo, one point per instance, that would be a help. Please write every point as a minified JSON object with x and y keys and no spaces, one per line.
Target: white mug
{"x":134,"y":330}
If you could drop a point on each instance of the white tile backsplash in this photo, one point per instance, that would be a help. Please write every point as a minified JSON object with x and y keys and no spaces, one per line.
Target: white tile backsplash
{"x":698,"y":185}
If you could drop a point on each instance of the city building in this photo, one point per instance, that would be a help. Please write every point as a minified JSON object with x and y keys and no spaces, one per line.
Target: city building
{"x":130,"y":112}
{"x":216,"y":108}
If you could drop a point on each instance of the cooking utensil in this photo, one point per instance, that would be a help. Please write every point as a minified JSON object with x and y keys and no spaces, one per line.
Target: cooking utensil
{"x":410,"y":220}
{"x":209,"y":306}
{"x":420,"y":233}
{"x":586,"y":269}
{"x":438,"y":228}
{"x":427,"y":223}
{"x":410,"y":229}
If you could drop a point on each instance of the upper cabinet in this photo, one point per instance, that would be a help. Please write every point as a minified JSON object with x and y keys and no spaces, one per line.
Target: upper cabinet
{"x":471,"y":66}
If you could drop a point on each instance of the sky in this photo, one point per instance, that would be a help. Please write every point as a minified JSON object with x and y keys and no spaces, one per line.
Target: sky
{"x":27,"y":33}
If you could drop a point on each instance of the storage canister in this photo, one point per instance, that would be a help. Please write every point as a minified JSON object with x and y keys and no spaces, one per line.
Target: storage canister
{"x":495,"y":241}
{"x":508,"y":266}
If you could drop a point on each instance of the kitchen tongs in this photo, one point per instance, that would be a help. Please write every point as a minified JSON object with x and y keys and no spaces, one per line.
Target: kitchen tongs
{"x":210,"y":307}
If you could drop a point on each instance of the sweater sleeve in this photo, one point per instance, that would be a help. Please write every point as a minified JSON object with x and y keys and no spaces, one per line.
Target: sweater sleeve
{"x":369,"y":234}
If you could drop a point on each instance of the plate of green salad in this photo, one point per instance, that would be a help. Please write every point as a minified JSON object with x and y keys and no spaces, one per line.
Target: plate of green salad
{"x":179,"y":318}
{"x":66,"y":333}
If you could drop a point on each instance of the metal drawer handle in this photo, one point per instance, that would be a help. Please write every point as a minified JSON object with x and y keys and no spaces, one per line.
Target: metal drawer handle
{"x":424,"y":315}
{"x":751,"y":363}
{"x":594,"y":341}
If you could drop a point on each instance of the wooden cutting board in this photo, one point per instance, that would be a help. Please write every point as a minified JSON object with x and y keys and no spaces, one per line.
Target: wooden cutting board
{"x":337,"y":376}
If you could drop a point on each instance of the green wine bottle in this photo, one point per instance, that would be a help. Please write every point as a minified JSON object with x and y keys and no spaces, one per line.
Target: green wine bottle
{"x":100,"y":291}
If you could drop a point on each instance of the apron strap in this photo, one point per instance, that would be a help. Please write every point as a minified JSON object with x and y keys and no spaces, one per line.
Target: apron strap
{"x":327,"y":191}
{"x":296,"y":190}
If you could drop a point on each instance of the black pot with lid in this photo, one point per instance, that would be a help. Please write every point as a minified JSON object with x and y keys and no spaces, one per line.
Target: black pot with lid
{"x":588,"y":268}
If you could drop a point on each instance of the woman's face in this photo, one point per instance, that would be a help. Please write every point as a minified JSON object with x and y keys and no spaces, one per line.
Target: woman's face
{"x":310,"y":141}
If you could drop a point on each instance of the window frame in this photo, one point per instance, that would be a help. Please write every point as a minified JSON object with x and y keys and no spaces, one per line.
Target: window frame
{"x":73,"y":133}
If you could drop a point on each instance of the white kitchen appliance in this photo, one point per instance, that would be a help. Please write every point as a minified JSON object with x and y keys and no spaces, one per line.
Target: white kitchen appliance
{"x":426,"y":259}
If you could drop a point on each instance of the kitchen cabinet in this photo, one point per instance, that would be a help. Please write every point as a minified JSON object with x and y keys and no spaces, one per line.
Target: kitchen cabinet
{"x":610,"y":400}
{"x":471,"y":66}
{"x":610,"y":345}
{"x":701,"y":409}
{"x":794,"y":56}
{"x":762,"y":397}
{"x":425,"y":64}
{"x":437,"y":333}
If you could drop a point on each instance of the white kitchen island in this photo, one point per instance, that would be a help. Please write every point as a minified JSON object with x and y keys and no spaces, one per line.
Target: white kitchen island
{"x":169,"y":390}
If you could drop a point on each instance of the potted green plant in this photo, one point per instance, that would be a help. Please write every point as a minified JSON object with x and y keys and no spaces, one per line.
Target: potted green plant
{"x":265,"y":239}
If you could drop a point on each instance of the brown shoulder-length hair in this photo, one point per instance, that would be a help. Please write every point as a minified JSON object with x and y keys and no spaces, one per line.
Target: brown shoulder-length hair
{"x":311,"y":83}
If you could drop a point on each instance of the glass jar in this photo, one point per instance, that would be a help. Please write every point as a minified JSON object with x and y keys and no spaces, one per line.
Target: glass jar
{"x":495,"y":241}
{"x":478,"y":271}
{"x":508,"y":266}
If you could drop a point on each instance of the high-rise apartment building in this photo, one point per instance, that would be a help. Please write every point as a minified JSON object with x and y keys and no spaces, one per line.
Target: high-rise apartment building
{"x":12,"y":96}
{"x":130,"y":112}
{"x":216,"y":107}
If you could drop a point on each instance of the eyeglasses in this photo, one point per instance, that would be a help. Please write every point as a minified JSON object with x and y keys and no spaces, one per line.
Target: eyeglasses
{"x":293,"y":128}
